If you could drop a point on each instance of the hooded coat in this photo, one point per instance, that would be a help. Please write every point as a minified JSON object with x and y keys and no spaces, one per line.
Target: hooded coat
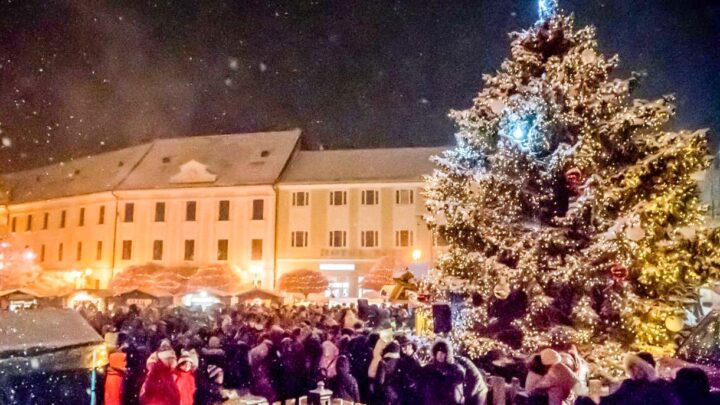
{"x":159,"y":387}
{"x":330,"y":352}
{"x":292,"y":366}
{"x":343,"y":385}
{"x":389,"y":378}
{"x":263,"y":361}
{"x":442,"y":383}
{"x":185,"y":379}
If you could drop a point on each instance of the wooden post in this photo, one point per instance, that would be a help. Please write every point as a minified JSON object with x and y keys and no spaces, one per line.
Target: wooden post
{"x":498,"y":390}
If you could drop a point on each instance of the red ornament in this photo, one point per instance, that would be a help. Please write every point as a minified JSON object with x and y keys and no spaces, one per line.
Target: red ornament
{"x":619,"y":272}
{"x":573,"y":180}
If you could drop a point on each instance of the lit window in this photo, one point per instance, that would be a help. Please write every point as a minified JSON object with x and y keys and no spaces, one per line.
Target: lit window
{"x":369,"y":238}
{"x":300,"y":198}
{"x":222,"y":249}
{"x":403,"y":238}
{"x":338,"y":238}
{"x":404,"y":197}
{"x":370,"y":197}
{"x":257,"y":249}
{"x":299,"y":239}
{"x":338,"y":197}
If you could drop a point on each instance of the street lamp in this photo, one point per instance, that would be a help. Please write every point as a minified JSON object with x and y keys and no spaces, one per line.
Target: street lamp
{"x":416,"y":254}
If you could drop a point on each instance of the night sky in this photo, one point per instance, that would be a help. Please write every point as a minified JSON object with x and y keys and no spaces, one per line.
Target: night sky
{"x":80,"y":77}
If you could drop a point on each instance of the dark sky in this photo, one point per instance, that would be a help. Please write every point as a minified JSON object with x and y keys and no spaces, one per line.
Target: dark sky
{"x":79,"y":77}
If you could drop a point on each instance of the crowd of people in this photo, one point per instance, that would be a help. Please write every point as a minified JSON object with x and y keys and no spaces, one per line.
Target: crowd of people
{"x":173,"y":355}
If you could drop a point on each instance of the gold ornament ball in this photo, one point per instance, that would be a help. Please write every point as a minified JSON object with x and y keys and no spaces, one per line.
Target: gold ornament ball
{"x":675,"y":322}
{"x":501,"y":291}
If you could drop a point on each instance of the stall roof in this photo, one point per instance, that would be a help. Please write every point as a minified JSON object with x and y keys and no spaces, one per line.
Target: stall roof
{"x":259,"y":293}
{"x":43,"y":330}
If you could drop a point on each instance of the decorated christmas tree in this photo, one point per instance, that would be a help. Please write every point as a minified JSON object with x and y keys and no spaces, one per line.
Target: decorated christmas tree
{"x":571,"y":211}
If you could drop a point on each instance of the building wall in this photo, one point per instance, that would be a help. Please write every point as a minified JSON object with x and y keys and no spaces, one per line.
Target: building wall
{"x":240,"y":230}
{"x":319,"y":218}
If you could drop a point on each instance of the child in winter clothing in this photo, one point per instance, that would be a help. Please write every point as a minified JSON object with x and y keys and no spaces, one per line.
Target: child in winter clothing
{"x":114,"y":379}
{"x":185,"y":376}
{"x":159,"y":387}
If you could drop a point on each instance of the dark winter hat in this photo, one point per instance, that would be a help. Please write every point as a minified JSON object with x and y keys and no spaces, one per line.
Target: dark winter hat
{"x":440,"y":346}
{"x":392,"y":347}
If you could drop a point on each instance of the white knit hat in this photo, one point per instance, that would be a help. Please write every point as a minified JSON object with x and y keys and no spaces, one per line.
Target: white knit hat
{"x":549,"y":357}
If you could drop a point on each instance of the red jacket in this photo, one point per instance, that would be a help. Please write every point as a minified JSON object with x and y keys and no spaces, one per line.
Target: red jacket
{"x":159,"y":387}
{"x":185,"y":381}
{"x":114,"y":379}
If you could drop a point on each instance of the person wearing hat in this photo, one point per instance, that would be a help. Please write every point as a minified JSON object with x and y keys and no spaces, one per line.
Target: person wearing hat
{"x":388,"y":375}
{"x":185,"y":376}
{"x":114,"y":378}
{"x":559,"y":380}
{"x":159,"y":387}
{"x":442,"y":378}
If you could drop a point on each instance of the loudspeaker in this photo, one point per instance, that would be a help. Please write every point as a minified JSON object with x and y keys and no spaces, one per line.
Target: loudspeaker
{"x":363,"y":307}
{"x":442,"y":318}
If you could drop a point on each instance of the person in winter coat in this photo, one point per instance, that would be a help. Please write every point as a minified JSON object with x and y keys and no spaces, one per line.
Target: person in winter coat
{"x":134,"y":374}
{"x":442,"y":378}
{"x":292,"y":366}
{"x":237,"y":372}
{"x":343,"y":385}
{"x":642,"y":386}
{"x":409,"y":371}
{"x":538,"y":366}
{"x":159,"y":387}
{"x":114,"y":379}
{"x":185,"y":376}
{"x":330,"y":352}
{"x":475,"y":389}
{"x":360,"y":355}
{"x":210,"y":380}
{"x":388,"y":375}
{"x":557,"y":383}
{"x":263,"y":361}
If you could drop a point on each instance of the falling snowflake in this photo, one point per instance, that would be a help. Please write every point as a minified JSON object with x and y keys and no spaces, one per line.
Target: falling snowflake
{"x":6,"y":142}
{"x":263,"y":67}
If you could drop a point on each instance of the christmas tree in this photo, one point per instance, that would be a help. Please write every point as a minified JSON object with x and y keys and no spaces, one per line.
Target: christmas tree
{"x":571,"y":212}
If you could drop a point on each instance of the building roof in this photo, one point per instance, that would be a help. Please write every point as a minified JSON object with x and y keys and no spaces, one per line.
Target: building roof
{"x":44,"y":329}
{"x":229,"y":160}
{"x":215,"y":161}
{"x":86,"y":175}
{"x":361,"y":165}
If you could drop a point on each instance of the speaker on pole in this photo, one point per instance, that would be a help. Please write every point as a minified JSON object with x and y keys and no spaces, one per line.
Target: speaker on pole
{"x":442,"y":318}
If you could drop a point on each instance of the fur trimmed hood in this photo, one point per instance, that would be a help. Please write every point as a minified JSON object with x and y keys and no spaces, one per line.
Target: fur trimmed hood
{"x":442,"y":345}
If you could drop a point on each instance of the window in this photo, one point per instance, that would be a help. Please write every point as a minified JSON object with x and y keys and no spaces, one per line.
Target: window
{"x":81,"y":220}
{"x":28,"y":226}
{"x":370,"y":197}
{"x":14,"y":224}
{"x":189,"y":250}
{"x":98,"y":251}
{"x":159,"y":212}
{"x":78,"y":252}
{"x":101,"y":215}
{"x":338,"y":197}
{"x":190,"y":208}
{"x":42,"y":253}
{"x":338,"y":238}
{"x":60,"y":252}
{"x":224,"y":210}
{"x":222,"y":249}
{"x":157,"y":250}
{"x":63,"y":216}
{"x":403,"y":238}
{"x":129,"y":212}
{"x":369,"y":238}
{"x":300,"y":198}
{"x":257,"y":249}
{"x":299,"y":239}
{"x":258,"y":209}
{"x":127,"y":250}
{"x":46,"y":218}
{"x":338,"y":289}
{"x":404,"y":197}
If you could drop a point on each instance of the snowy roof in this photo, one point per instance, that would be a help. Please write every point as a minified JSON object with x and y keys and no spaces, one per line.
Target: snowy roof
{"x":90,"y":174}
{"x":360,"y":165}
{"x":213,"y":160}
{"x":46,"y":329}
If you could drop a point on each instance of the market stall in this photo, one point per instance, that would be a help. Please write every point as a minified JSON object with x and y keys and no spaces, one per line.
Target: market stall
{"x":49,"y":356}
{"x":142,"y":297}
{"x":260,"y":295}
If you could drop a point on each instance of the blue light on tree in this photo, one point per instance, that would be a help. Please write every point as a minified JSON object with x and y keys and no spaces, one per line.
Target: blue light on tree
{"x":547,"y":8}
{"x":528,"y":131}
